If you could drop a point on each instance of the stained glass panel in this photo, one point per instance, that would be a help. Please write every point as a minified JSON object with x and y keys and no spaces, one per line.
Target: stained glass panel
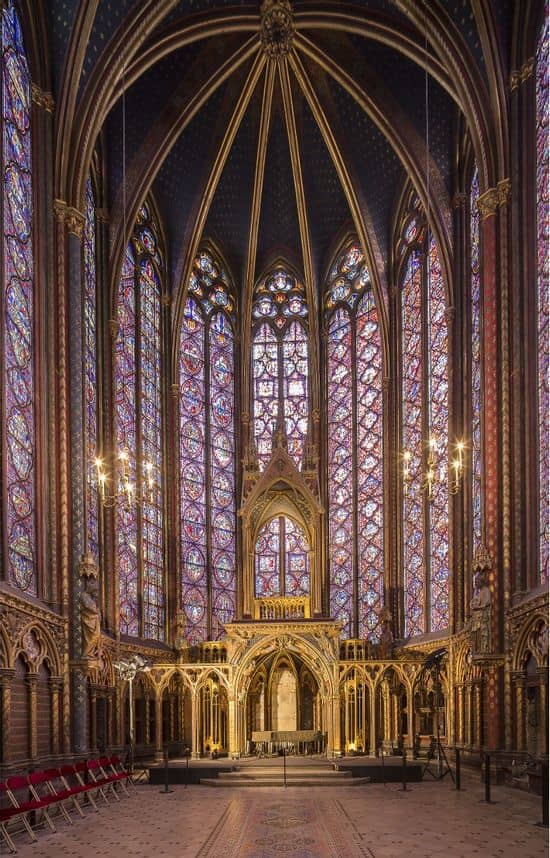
{"x":543,"y":178}
{"x":222,"y":472}
{"x":125,"y":437}
{"x":18,"y":381}
{"x":194,"y":585}
{"x":296,"y":571}
{"x":412,"y":395}
{"x":438,"y":415}
{"x":475,"y":337}
{"x":370,"y":476}
{"x":150,"y":409}
{"x":265,"y":374}
{"x":90,"y":373}
{"x":340,"y":468}
{"x":268,"y":560}
{"x":295,"y":389}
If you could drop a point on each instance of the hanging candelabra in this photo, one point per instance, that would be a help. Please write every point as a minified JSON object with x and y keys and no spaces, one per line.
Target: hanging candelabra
{"x":430,"y":477}
{"x":115,"y":484}
{"x":456,"y":468}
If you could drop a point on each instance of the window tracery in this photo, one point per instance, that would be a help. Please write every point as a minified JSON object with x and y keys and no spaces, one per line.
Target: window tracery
{"x":424,"y":432}
{"x":355,"y":447}
{"x":475,"y":357}
{"x":543,"y":312}
{"x":207,"y":452}
{"x":90,"y":372}
{"x":280,"y":363}
{"x":138,"y":430}
{"x":17,"y":312}
{"x":281,"y":559}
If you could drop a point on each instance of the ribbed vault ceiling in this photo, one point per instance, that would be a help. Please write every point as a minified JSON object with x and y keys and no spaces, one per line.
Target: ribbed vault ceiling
{"x":273,"y":157}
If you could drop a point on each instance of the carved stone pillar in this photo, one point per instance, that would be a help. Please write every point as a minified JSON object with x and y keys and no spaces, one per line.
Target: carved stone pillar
{"x":32,"y":680}
{"x":468,"y":715}
{"x":518,"y":681}
{"x":147,"y":719}
{"x":460,"y":715}
{"x":410,"y":719}
{"x":92,"y":699}
{"x":386,"y":713}
{"x":6,"y":677}
{"x":543,"y":711}
{"x":232,"y":710}
{"x":56,"y":684}
{"x":195,"y":704}
{"x":372,"y":726}
{"x":496,"y":508}
{"x":477,"y":715}
{"x":159,"y":735}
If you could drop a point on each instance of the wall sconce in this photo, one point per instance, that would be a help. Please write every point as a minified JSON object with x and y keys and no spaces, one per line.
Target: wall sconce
{"x":456,"y":468}
{"x":430,"y":477}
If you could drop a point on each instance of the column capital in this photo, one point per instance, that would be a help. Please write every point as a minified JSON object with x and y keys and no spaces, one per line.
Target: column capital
{"x":42,"y":99}
{"x":520,"y":76}
{"x":488,"y":202}
{"x":175,"y":389}
{"x":59,"y":210}
{"x":75,"y":221}
{"x":113,"y":327}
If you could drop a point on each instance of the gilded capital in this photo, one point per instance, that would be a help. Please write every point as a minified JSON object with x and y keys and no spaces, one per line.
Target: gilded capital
{"x":113,"y":327}
{"x":488,"y":203}
{"x":459,"y":200}
{"x":59,"y":210}
{"x":75,"y":221}
{"x":504,"y":186}
{"x":42,"y":99}
{"x":175,"y":388}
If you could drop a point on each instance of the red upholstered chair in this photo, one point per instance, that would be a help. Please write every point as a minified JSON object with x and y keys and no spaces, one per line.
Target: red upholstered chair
{"x":41,"y":792}
{"x":60,"y":789}
{"x":119,"y":769}
{"x":72,"y":781}
{"x":13,"y":812}
{"x":93,"y":770}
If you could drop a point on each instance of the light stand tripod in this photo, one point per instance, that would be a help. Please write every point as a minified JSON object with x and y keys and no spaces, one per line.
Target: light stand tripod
{"x":437,"y":751}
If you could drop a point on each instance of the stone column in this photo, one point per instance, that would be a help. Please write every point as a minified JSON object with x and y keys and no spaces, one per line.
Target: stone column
{"x":56,"y":684}
{"x":518,"y":680}
{"x":6,"y":676}
{"x":147,"y":716}
{"x":32,"y":680}
{"x":195,"y":703}
{"x":159,"y":733}
{"x":372,"y":717}
{"x":496,"y":490}
{"x":477,"y":715}
{"x":460,"y":714}
{"x":543,"y":711}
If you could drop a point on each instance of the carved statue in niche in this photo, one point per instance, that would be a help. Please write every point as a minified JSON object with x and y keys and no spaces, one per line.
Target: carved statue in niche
{"x":180,"y":643}
{"x":90,"y":615}
{"x":480,"y":605}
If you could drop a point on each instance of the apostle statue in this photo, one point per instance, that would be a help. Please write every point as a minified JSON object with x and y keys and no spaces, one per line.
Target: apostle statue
{"x":90,"y":616}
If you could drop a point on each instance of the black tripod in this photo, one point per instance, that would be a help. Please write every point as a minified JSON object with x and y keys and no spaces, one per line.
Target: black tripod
{"x":437,"y":751}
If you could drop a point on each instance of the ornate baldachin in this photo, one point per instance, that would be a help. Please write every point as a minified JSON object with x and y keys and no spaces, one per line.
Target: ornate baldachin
{"x":277,"y":27}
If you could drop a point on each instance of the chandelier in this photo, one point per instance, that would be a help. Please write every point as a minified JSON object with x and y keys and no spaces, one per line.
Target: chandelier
{"x":430,"y":476}
{"x":115,"y":483}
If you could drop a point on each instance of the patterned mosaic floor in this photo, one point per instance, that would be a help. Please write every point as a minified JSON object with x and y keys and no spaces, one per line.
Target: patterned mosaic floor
{"x":430,"y":820}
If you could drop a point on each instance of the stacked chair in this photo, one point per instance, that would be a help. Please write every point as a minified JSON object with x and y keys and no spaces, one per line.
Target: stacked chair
{"x":35,"y":797}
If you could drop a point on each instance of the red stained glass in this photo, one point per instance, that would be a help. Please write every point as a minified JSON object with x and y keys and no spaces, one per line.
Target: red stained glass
{"x":281,"y":559}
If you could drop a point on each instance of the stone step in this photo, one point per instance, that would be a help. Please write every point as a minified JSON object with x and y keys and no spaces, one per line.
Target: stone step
{"x":290,"y":775}
{"x":273,"y":781}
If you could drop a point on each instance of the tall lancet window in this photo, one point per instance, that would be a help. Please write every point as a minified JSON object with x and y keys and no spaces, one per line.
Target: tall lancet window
{"x":280,"y":363}
{"x":207,"y":452}
{"x":281,"y":559}
{"x":90,"y":373}
{"x":424,"y":434}
{"x":476,"y":364}
{"x":355,"y":447}
{"x":138,"y":433}
{"x":543,"y":177}
{"x":17,"y":314}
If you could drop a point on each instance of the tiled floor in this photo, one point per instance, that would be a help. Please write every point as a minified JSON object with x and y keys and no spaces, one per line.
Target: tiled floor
{"x":429,"y":819}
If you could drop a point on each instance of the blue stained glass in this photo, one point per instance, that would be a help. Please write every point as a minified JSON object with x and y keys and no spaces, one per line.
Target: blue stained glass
{"x":90,"y":374}
{"x":18,"y":382}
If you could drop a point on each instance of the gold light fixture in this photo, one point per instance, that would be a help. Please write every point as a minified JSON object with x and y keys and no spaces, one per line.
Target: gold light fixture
{"x":430,"y":476}
{"x":115,"y":484}
{"x":456,"y":467}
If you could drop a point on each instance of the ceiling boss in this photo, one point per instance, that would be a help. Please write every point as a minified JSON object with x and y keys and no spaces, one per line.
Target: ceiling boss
{"x":277,"y":27}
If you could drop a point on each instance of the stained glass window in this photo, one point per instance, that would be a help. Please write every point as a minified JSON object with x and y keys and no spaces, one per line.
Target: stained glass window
{"x":424,"y":438}
{"x":543,"y":177}
{"x":17,"y":309}
{"x":280,"y":363}
{"x":207,"y":452}
{"x":475,"y":340}
{"x":90,"y":373}
{"x":281,"y":559}
{"x":355,"y":446}
{"x":138,"y":433}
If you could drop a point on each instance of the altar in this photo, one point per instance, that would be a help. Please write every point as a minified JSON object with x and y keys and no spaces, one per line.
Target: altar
{"x":291,"y":741}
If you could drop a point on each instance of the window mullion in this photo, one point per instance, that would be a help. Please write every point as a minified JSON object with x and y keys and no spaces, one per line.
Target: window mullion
{"x":426,"y":429}
{"x":139,"y":441}
{"x":355,"y":509}
{"x":207,"y":476}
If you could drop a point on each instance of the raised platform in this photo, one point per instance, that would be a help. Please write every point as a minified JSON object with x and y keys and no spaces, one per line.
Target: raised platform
{"x":300,"y":771}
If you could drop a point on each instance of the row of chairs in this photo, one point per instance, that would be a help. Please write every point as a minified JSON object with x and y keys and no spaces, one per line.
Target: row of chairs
{"x":63,"y":788}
